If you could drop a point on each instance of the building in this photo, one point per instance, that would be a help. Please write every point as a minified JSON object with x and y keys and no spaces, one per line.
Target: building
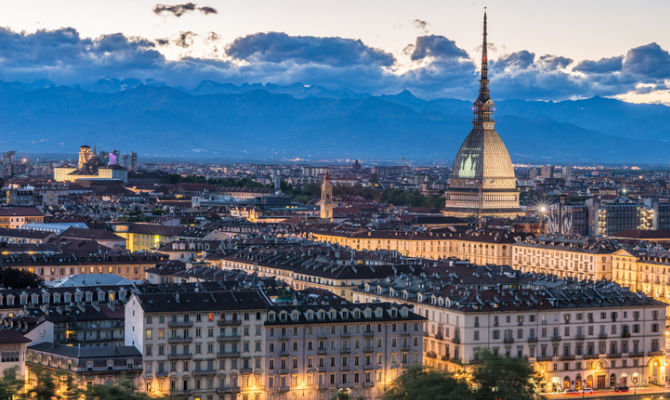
{"x":202,"y":344}
{"x":481,"y":246}
{"x":16,"y":217}
{"x":576,"y":334}
{"x":314,"y":352}
{"x":142,"y":236}
{"x":326,"y":204}
{"x":482,"y":181}
{"x":85,"y":365}
{"x":89,"y":167}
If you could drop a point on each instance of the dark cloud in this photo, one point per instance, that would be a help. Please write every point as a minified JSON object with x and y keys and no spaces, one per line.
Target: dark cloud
{"x":64,"y":57}
{"x":279,"y":47}
{"x":185,"y":39}
{"x":213,"y":36}
{"x":649,"y":60}
{"x":438,"y":47}
{"x":421,"y":24}
{"x":162,"y":41}
{"x":602,"y":66}
{"x":180,"y":9}
{"x":550,"y":62}
{"x":519,"y":60}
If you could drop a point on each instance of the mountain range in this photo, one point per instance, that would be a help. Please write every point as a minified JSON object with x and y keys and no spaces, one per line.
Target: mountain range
{"x":254,"y":121}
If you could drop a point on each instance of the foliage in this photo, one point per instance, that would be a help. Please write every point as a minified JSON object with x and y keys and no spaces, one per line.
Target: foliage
{"x":345,"y":396}
{"x":504,"y":378}
{"x":45,"y":388}
{"x":227,"y":182}
{"x":9,"y":384}
{"x":17,"y":279}
{"x":123,"y":390}
{"x":419,"y":383}
{"x":303,"y":194}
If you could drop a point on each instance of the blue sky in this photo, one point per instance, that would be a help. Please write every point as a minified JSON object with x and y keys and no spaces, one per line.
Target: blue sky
{"x":540,"y":49}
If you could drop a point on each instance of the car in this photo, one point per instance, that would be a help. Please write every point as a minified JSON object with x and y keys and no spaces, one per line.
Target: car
{"x":587,"y":390}
{"x":621,"y":389}
{"x":570,"y":391}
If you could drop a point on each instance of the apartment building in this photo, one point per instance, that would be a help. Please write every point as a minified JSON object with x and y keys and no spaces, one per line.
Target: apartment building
{"x":480,"y":247}
{"x":201,"y":344}
{"x":315,"y":351}
{"x":577,"y":334}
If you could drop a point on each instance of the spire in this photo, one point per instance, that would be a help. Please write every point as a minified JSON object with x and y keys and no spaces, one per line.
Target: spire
{"x":484,"y":106}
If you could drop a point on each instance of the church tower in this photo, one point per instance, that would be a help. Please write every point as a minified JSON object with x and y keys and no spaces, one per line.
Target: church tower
{"x":326,"y":203}
{"x":482,"y":181}
{"x":85,"y":156}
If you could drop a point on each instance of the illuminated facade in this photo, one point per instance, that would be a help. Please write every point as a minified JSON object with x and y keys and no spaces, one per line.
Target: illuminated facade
{"x":326,"y":203}
{"x":202,"y":344}
{"x":595,"y":336}
{"x":482,"y":181}
{"x":89,"y":167}
{"x":314,"y":352}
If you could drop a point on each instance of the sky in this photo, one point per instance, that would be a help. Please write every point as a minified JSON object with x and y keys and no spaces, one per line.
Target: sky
{"x":540,"y":49}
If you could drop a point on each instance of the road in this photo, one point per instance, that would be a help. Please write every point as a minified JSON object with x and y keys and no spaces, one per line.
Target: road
{"x":655,"y":393}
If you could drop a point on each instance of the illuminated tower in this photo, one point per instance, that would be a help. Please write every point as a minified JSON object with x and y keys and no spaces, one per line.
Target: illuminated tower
{"x":326,"y":203}
{"x":482,"y":181}
{"x":84,"y":155}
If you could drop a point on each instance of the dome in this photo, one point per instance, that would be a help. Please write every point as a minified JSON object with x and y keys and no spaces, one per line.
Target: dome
{"x":483,"y":160}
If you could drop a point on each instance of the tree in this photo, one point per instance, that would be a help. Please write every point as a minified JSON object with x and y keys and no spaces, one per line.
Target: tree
{"x":419,"y":383}
{"x":45,"y":388}
{"x":17,"y":279}
{"x":122,"y":390}
{"x":10,"y":385}
{"x":498,"y":377}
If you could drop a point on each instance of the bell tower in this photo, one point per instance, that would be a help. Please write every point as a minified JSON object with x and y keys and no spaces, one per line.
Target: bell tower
{"x":326,"y":203}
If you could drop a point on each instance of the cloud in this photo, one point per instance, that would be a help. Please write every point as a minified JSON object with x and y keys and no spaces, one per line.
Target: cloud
{"x":213,"y":36}
{"x":279,"y":47}
{"x":602,"y":66}
{"x":185,"y":39}
{"x":549,"y":62}
{"x":438,"y":47}
{"x":519,"y":60}
{"x":180,"y":9}
{"x":649,"y":60}
{"x":421,"y":24}
{"x":439,"y":67}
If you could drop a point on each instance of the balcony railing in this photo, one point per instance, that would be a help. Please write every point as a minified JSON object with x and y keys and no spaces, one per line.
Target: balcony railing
{"x":508,"y":339}
{"x":228,"y":338}
{"x":203,"y":372}
{"x":180,"y":324}
{"x":227,"y":389}
{"x":180,"y":340}
{"x":555,"y":338}
{"x":179,"y":356}
{"x":228,"y":354}
{"x":229,"y":322}
{"x":602,"y":336}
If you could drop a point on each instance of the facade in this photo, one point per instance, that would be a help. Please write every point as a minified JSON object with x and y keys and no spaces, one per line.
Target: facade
{"x":482,"y":181}
{"x":16,"y":217}
{"x":314,"y":352}
{"x":200,"y":345}
{"x":480,"y":247}
{"x":576,"y":334}
{"x":90,"y":166}
{"x":326,"y":204}
{"x":141,"y":236}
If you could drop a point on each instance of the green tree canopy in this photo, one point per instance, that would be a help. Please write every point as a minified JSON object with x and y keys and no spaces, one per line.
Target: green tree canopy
{"x":498,"y":377}
{"x":427,"y":384}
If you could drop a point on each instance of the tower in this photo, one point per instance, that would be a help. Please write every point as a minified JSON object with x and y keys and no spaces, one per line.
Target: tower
{"x":84,"y":156}
{"x":482,"y":181}
{"x":326,"y":203}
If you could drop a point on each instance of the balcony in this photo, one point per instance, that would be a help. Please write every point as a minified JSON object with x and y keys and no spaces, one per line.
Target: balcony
{"x":321,"y":350}
{"x":636,"y":354}
{"x":655,"y":353}
{"x":229,"y":338}
{"x":368,"y":333}
{"x":613,"y":355}
{"x":508,"y":340}
{"x":227,"y":389}
{"x":439,"y":336}
{"x":180,"y":340}
{"x":555,"y":338}
{"x":180,"y":324}
{"x":456,"y":340}
{"x":444,"y":358}
{"x":229,"y":322}
{"x":532,"y":339}
{"x":345,"y":350}
{"x":246,"y":370}
{"x":180,"y":356}
{"x":204,"y":372}
{"x":431,"y":354}
{"x":567,"y":358}
{"x":591,"y":356}
{"x":405,"y":347}
{"x":602,"y":336}
{"x":545,"y":358}
{"x":625,"y":335}
{"x":579,"y":337}
{"x":228,"y":354}
{"x":369,"y":349}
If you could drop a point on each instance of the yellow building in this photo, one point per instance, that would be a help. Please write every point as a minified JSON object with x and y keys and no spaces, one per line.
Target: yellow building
{"x":141,"y":236}
{"x":89,"y":167}
{"x":479,"y":247}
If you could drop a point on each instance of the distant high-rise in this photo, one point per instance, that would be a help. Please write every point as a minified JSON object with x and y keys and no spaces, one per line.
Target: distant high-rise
{"x":326,"y":203}
{"x":482,"y":181}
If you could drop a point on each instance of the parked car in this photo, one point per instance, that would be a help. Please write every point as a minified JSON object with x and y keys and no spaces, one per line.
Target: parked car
{"x":570,"y":391}
{"x":621,"y":389}
{"x":587,"y":390}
